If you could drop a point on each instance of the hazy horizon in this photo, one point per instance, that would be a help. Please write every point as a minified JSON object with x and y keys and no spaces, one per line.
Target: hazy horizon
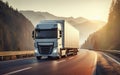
{"x":93,"y":10}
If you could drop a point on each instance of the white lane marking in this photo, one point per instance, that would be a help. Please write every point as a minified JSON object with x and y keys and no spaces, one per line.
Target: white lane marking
{"x":13,"y":72}
{"x":95,"y":63}
{"x":71,"y":57}
{"x":60,"y":61}
{"x":112,"y":59}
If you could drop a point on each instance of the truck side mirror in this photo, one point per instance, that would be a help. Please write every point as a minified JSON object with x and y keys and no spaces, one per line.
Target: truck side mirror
{"x":60,"y":33}
{"x":33,"y":33}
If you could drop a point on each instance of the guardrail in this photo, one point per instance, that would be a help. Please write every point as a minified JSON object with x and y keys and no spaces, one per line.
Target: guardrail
{"x":116,"y":53}
{"x":11,"y":55}
{"x":112,"y":51}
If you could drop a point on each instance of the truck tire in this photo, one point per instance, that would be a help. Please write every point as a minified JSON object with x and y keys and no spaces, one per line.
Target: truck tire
{"x":38,"y":57}
{"x":49,"y":57}
{"x":66,"y":54}
{"x":59,"y":57}
{"x":75,"y":53}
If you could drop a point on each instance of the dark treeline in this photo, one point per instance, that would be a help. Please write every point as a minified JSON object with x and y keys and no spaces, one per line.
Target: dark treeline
{"x":109,"y":36}
{"x":15,"y":29}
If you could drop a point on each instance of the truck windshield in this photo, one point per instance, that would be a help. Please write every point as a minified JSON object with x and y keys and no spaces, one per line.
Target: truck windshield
{"x":46,"y":33}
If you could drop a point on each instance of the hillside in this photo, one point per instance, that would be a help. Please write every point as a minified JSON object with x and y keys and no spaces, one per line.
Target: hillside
{"x":84,"y":25}
{"x":107,"y":37}
{"x":15,"y":30}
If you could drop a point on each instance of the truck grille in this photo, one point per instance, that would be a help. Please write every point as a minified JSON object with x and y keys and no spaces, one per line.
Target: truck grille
{"x":45,"y":49}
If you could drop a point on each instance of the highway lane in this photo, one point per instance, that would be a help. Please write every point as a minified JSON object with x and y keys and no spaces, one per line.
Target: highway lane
{"x":82,"y":64}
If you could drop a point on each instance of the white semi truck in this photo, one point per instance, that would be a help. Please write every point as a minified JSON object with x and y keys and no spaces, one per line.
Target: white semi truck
{"x":55,"y":38}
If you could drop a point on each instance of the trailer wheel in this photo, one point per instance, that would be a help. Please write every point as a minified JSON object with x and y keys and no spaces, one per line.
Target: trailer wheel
{"x":75,"y":53}
{"x":66,"y":54}
{"x":38,"y":57}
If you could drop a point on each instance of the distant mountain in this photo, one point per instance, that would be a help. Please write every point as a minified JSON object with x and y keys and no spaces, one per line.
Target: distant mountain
{"x":107,"y":37}
{"x":36,"y":17}
{"x":84,"y":25}
{"x":15,"y":30}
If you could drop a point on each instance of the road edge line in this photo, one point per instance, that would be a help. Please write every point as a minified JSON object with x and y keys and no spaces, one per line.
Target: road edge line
{"x":95,"y":64}
{"x":111,"y":58}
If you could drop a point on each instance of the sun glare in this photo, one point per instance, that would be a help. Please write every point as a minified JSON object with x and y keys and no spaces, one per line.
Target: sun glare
{"x":96,"y":18}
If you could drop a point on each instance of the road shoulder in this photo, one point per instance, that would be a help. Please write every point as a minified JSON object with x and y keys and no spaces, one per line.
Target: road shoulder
{"x":106,"y":66}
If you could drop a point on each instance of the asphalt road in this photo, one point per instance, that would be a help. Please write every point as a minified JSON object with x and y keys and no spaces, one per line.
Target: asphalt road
{"x":85,"y":63}
{"x":82,"y":64}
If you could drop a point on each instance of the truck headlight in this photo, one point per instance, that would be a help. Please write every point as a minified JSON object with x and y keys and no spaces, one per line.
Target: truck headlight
{"x":55,"y":50}
{"x":36,"y":51}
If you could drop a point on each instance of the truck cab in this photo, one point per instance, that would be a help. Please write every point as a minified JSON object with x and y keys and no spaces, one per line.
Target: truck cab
{"x":47,"y":38}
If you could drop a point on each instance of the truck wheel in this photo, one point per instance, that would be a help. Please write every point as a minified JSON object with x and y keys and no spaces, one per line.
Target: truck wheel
{"x":49,"y":57}
{"x":66,"y":55}
{"x":59,"y":57}
{"x":38,"y":57}
{"x":75,"y":53}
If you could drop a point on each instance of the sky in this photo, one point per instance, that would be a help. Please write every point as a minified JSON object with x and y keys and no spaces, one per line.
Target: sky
{"x":90,"y":9}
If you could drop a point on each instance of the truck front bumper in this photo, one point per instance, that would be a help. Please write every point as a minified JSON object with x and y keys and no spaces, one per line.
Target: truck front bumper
{"x":52,"y":55}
